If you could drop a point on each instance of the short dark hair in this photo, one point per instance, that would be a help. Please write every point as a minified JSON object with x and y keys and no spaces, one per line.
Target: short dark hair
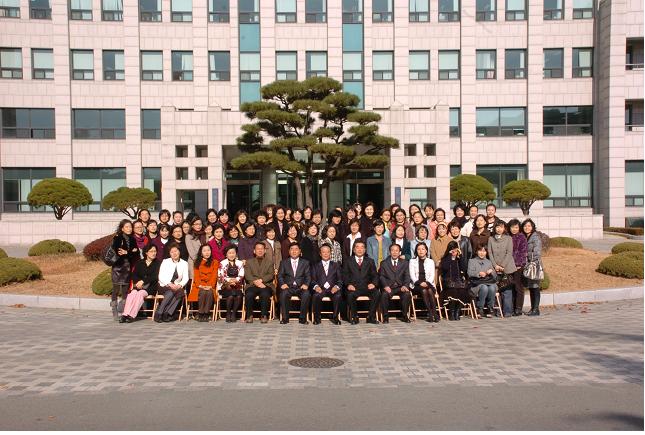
{"x":292,"y":244}
{"x":147,"y":248}
{"x":528,"y":221}
{"x":395,"y":244}
{"x":453,"y":223}
{"x":325,"y":245}
{"x":229,"y":247}
{"x":379,"y":222}
{"x":173,"y":245}
{"x":512,"y":223}
{"x":354,"y":221}
{"x":163,"y":212}
{"x":259,"y":242}
{"x":335,"y":213}
{"x":490,"y":204}
{"x":358,"y":242}
{"x":178,"y":212}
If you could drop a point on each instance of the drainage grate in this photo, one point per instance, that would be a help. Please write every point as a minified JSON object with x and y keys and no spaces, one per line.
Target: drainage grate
{"x":316,"y":362}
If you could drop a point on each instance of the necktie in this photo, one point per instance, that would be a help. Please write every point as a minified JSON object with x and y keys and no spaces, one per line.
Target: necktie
{"x":326,"y":267}
{"x":360,"y":262}
{"x":395,"y":262}
{"x":294,"y":266}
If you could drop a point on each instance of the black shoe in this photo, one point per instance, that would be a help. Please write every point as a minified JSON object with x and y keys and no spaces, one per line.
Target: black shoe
{"x":303,"y":321}
{"x":335,"y":321}
{"x":405,"y":319}
{"x":535,"y":312}
{"x":317,"y":322}
{"x":457,"y":314}
{"x":451,"y":315}
{"x":129,"y":320}
{"x":284,"y":321}
{"x":354,"y":321}
{"x":123,"y":319}
{"x":385,"y":320}
{"x":517,"y":313}
{"x":496,"y":313}
{"x":166,"y":317}
{"x":157,"y":319}
{"x":372,"y":321}
{"x":480,"y":312}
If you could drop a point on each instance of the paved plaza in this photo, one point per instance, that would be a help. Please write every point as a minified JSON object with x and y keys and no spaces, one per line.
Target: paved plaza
{"x":586,"y":356}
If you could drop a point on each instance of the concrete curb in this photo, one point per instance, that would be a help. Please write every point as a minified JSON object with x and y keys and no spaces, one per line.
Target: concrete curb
{"x":547,"y":299}
{"x":624,"y":235}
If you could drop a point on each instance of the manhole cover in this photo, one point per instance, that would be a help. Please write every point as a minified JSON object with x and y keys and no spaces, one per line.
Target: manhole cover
{"x":316,"y":362}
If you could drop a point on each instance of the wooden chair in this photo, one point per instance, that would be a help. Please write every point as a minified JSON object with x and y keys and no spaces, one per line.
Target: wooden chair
{"x":159,"y":297}
{"x":437,"y":302}
{"x":257,"y":298}
{"x":497,"y":307}
{"x":359,"y":311}
{"x":189,"y":310}
{"x":469,"y":308}
{"x":290,"y":311}
{"x":380,"y":314}
{"x":217,"y":312}
{"x":325,"y":299}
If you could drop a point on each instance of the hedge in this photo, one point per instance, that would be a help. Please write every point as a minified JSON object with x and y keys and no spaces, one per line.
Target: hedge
{"x":627,"y":247}
{"x":565,"y":242}
{"x":102,"y":284}
{"x":632,"y":231}
{"x":51,"y":247}
{"x":546,"y":282}
{"x":625,"y":264}
{"x":18,"y":270}
{"x":92,"y":251}
{"x":546,"y":241}
{"x":3,"y":254}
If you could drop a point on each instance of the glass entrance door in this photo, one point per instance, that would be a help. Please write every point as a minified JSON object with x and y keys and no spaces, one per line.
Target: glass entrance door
{"x":243,"y":191}
{"x":193,"y":201}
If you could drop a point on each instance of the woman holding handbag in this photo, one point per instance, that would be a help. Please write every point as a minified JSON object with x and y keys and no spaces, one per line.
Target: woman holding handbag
{"x":500,"y":253}
{"x":519,"y":256}
{"x":145,"y":278}
{"x":533,"y":271}
{"x":455,"y":288}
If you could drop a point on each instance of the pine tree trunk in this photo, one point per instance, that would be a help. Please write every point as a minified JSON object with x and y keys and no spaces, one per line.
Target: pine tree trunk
{"x":296,"y":179}
{"x":308,"y":193}
{"x":324,"y":199}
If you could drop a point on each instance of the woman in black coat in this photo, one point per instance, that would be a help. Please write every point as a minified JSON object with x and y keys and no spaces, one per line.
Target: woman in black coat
{"x":127,"y":253}
{"x":453,"y":279}
{"x":309,"y":244}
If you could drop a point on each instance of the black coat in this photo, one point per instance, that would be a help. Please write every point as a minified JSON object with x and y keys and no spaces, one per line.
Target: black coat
{"x":360,"y":277}
{"x":367,"y":227}
{"x":183,"y":251}
{"x":148,"y":274}
{"x":334,"y":275}
{"x":285,"y":274}
{"x":122,"y":269}
{"x":280,"y":235}
{"x":310,"y":250}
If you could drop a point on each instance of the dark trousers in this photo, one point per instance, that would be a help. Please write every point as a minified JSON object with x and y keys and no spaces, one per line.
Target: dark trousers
{"x":170,"y":302}
{"x":233,"y":299}
{"x":285,"y":302}
{"x":374,"y":299}
{"x":405,"y":301}
{"x":428,"y":298}
{"x":317,"y":302}
{"x":205,"y":301}
{"x":264,"y":294}
{"x":519,"y":289}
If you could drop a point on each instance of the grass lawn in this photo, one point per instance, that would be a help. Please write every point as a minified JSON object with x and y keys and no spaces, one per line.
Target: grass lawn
{"x":71,"y":275}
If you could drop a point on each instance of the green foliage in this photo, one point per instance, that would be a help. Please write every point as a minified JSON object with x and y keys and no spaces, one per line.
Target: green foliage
{"x":17,"y":270}
{"x":469,"y":189}
{"x":129,"y":200}
{"x":626,"y":265}
{"x":631,"y":231}
{"x":627,"y":247}
{"x":61,"y":194}
{"x":102,"y":284}
{"x":3,"y":253}
{"x":93,"y":251}
{"x":51,"y":247}
{"x":546,"y":241}
{"x":565,"y":242}
{"x":525,"y":193}
{"x":546,"y":282}
{"x":306,"y":123}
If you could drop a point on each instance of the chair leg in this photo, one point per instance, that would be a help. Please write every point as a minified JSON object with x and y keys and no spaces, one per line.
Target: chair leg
{"x":436,"y":298}
{"x":499,"y":305}
{"x":413,"y":308}
{"x":215,"y":311}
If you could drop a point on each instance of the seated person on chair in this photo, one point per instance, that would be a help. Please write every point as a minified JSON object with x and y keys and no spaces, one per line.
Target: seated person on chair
{"x":394,"y":276}
{"x":362,"y":280}
{"x":422,"y":280}
{"x":293,"y":279}
{"x":327,"y":281}
{"x":483,"y":280}
{"x":144,"y":283}
{"x":231,"y":278}
{"x":258,"y":274}
{"x":173,"y":276}
{"x":203,"y":289}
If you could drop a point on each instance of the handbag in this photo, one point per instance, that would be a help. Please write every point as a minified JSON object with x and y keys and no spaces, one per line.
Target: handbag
{"x":108,"y":256}
{"x":533,"y":271}
{"x":504,"y":281}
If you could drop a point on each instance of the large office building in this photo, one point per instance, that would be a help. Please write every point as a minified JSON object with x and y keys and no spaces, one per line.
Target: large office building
{"x":147,"y":93}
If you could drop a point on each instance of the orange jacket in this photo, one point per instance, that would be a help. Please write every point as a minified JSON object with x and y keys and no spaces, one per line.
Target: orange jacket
{"x":204,"y":276}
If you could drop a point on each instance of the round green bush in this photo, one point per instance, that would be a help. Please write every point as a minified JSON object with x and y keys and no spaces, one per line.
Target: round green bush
{"x":51,"y":247}
{"x":625,"y":264}
{"x":3,"y":254}
{"x":93,"y":250}
{"x":546,"y":282}
{"x":565,"y":242}
{"x":102,"y":284}
{"x":17,"y":270}
{"x":627,"y":247}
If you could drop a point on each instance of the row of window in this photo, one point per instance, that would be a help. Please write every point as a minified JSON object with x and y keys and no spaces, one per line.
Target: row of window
{"x":570,"y":184}
{"x":286,"y":10}
{"x":110,"y":123}
{"x":18,"y":182}
{"x":82,"y":64}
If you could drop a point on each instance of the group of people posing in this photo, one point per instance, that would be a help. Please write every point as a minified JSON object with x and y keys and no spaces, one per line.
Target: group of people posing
{"x":277,"y":253}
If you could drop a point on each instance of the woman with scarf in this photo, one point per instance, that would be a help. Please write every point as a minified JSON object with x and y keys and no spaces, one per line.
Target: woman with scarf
{"x":247,"y":244}
{"x":161,"y":241}
{"x":329,"y":238}
{"x":460,"y":215}
{"x":138,"y":232}
{"x":309,"y":244}
{"x":218,"y":243}
{"x":293,"y":236}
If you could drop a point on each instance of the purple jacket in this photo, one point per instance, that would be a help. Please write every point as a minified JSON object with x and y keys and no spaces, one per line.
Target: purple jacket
{"x":520,"y":248}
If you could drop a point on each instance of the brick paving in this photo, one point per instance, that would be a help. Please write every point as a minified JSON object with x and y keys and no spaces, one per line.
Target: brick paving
{"x":48,"y":351}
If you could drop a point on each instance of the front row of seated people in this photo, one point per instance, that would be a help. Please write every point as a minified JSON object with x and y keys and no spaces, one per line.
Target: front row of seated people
{"x":231,"y":280}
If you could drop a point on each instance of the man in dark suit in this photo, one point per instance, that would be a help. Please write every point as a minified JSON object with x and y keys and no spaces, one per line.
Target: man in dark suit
{"x":326,"y":279}
{"x":362,"y":280}
{"x":394,"y":276}
{"x":294,"y":278}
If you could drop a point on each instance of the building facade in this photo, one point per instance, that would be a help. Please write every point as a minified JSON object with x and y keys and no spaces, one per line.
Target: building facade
{"x":147,"y":93}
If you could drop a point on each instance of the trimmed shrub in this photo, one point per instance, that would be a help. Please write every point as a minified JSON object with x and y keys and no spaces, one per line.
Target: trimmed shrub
{"x":565,"y":242}
{"x":3,"y":254}
{"x":546,"y":241}
{"x":627,"y":247}
{"x":625,"y":264}
{"x":546,"y":282}
{"x":51,"y":247}
{"x":632,"y":231}
{"x":18,"y":270}
{"x":102,"y":284}
{"x":92,"y":251}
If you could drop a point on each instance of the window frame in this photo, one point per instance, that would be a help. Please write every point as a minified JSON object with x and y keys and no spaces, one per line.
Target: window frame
{"x":583,"y":13}
{"x":115,"y":133}
{"x":633,"y":200}
{"x":37,"y":13}
{"x":219,"y":75}
{"x":151,"y":71}
{"x":316,"y":16}
{"x":559,"y":70}
{"x":449,"y":17}
{"x":155,"y":16}
{"x":181,"y":16}
{"x":553,"y":14}
{"x":352,"y":17}
{"x":20,"y":204}
{"x":111,"y":15}
{"x":84,"y":72}
{"x":115,"y":72}
{"x":512,"y":73}
{"x":382,"y":75}
{"x":500,"y":170}
{"x":565,"y":128}
{"x":31,"y":131}
{"x":315,"y":73}
{"x":449,"y":72}
{"x":286,"y":74}
{"x":568,"y":201}
{"x":219,"y":16}
{"x":287,"y":17}
{"x":419,"y":72}
{"x":13,"y":73}
{"x":10,"y":11}
{"x":383,"y":17}
{"x":578,"y":72}
{"x":45,"y":71}
{"x":249,"y":17}
{"x":452,"y":132}
{"x":410,"y":171}
{"x":516,"y":14}
{"x":181,"y":75}
{"x":353,"y":78}
{"x":150,"y":133}
{"x":502,"y":130}
{"x":80,"y":14}
{"x":102,"y":177}
{"x":486,"y":73}
{"x":419,"y":16}
{"x":486,"y":15}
